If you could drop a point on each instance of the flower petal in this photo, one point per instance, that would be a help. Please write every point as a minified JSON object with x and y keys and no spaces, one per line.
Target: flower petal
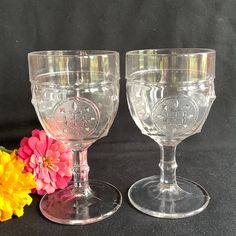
{"x":61,"y":182}
{"x":39,"y":184}
{"x":49,"y":189}
{"x":50,"y":142}
{"x":35,"y":133}
{"x":22,"y":154}
{"x":32,"y":141}
{"x":49,"y":153}
{"x":24,"y":141}
{"x":41,"y":148}
{"x":43,"y":137}
{"x":27,"y":150}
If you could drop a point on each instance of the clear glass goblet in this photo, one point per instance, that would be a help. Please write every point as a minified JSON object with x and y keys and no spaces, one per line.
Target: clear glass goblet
{"x":76,"y":96}
{"x":170,"y":93}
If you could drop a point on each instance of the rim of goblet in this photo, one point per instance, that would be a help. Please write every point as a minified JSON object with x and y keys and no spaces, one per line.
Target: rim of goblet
{"x":169,"y":52}
{"x":71,"y":53}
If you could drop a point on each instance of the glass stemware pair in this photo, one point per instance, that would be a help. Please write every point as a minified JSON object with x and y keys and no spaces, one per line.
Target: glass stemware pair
{"x":76,"y":96}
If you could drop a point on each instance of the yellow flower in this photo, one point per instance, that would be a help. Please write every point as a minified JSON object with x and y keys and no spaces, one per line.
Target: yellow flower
{"x":15,"y":186}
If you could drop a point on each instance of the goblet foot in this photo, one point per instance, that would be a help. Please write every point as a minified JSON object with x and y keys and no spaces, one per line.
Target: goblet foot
{"x":174,"y":201}
{"x":64,"y":207}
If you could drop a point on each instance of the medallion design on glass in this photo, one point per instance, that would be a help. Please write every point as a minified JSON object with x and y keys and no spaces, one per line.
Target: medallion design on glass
{"x":176,"y":114}
{"x":77,"y":116}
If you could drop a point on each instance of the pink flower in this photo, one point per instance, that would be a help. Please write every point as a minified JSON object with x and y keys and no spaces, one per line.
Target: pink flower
{"x":49,"y":160}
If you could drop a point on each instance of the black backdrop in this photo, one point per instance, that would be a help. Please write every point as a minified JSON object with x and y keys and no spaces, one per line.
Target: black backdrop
{"x":126,"y":155}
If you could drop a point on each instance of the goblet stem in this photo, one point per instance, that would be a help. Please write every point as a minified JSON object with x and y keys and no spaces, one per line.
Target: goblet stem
{"x":80,"y":172}
{"x":168,"y":166}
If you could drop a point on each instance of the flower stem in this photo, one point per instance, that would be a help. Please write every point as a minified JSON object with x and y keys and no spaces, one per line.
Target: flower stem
{"x":80,"y":172}
{"x":5,"y":150}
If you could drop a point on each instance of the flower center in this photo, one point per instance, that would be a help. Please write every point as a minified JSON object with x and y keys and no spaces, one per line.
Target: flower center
{"x":47,"y":161}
